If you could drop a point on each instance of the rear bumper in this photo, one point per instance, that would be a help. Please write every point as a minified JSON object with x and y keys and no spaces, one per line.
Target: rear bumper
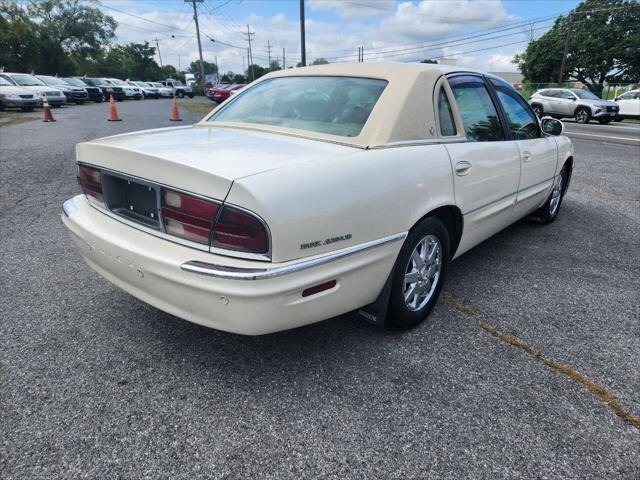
{"x":223,"y":292}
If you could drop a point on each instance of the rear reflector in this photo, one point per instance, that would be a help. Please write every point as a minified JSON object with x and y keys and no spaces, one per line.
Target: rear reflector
{"x":187,"y":216}
{"x":90,"y":181}
{"x":307,"y":292}
{"x":238,"y":230}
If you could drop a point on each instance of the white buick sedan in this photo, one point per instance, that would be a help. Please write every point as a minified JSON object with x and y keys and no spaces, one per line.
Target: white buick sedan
{"x":317,"y":191}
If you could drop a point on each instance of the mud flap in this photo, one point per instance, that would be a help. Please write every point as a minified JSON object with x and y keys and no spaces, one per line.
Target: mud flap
{"x":376,"y":312}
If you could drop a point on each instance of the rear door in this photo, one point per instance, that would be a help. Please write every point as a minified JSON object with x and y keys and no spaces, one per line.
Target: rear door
{"x":567,"y":102}
{"x":538,"y":153}
{"x":486,"y":165}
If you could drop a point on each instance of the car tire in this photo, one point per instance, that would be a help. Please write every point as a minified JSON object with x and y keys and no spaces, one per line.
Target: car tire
{"x":411,"y":302}
{"x":538,"y":109}
{"x":604,"y":121}
{"x":191,"y":95}
{"x":583,"y":115}
{"x":180,"y":94}
{"x":551,"y":208}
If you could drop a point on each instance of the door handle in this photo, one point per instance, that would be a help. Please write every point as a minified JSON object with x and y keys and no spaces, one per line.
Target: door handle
{"x":462,"y":168}
{"x":526,"y":156}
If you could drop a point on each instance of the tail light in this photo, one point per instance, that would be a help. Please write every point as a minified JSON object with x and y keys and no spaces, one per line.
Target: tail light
{"x":204,"y":221}
{"x":188,"y":217}
{"x":90,"y":181}
{"x":238,"y":230}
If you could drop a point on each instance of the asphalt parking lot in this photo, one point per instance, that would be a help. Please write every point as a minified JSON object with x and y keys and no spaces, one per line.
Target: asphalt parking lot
{"x":96,"y":384}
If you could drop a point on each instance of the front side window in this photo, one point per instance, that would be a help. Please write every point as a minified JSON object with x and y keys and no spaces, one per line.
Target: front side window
{"x":584,"y":94}
{"x":566,"y":94}
{"x":522,"y":121}
{"x":479,"y":115}
{"x":5,"y":83}
{"x":445,"y":115}
{"x":323,"y":104}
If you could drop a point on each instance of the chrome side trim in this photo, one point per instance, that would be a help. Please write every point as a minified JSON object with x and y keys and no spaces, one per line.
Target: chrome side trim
{"x":69,"y":207}
{"x":239,"y":273}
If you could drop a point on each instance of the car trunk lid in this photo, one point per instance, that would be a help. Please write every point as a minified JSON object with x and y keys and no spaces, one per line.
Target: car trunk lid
{"x":202,"y":159}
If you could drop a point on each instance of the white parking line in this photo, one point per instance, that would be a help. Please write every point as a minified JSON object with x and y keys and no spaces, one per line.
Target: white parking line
{"x":612,"y":127}
{"x":609,"y":137}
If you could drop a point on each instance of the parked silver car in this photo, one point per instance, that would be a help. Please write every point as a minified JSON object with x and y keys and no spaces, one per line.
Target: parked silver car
{"x":12,"y":96}
{"x":54,"y":95}
{"x":573,"y":102}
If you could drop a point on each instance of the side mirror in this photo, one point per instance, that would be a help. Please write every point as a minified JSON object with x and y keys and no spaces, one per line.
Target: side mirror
{"x":552,"y":126}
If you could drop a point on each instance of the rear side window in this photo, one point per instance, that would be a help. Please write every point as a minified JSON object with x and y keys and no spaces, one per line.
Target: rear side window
{"x":479,"y":114}
{"x":522,"y":121}
{"x":445,"y":114}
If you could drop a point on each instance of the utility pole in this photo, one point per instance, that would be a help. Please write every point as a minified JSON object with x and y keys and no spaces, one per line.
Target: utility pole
{"x":179,"y":63}
{"x":269,"y":51}
{"x":250,"y":53}
{"x":303,"y":48}
{"x":195,"y":18}
{"x":158,"y":47}
{"x":566,"y":49}
{"x":284,"y":62}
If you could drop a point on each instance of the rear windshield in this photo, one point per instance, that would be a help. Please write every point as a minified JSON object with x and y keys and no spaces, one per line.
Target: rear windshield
{"x":333,"y":105}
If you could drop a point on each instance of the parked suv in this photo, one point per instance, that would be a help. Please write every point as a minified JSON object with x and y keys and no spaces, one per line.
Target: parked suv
{"x":573,"y":102}
{"x":77,"y":95}
{"x":108,"y":88}
{"x":147,"y":91}
{"x":54,"y":96}
{"x":130,"y":91}
{"x":179,"y":89}
{"x":94,"y":93}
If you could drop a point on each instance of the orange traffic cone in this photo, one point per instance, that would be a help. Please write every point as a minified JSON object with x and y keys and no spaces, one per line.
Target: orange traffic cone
{"x":175,"y":114}
{"x":113,"y":112}
{"x":48,"y":117}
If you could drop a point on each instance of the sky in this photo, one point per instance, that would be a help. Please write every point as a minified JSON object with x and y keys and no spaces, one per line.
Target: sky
{"x":481,"y":34}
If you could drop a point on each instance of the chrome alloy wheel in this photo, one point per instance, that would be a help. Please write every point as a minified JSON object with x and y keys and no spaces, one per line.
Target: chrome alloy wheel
{"x":422,"y":273}
{"x":556,"y":195}
{"x":582,"y":115}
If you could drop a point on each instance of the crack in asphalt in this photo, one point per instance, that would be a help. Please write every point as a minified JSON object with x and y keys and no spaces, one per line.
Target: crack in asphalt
{"x":606,"y":397}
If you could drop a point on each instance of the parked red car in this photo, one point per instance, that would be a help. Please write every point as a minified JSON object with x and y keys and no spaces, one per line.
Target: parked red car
{"x":222,"y":94}
{"x":211,"y":91}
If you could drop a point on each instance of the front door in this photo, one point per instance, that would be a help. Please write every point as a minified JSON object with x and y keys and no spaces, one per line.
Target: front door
{"x":486,"y":166}
{"x":538,"y":153}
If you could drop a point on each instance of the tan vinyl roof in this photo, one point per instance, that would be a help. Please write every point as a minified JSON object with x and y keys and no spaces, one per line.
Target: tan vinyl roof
{"x":404,"y":112}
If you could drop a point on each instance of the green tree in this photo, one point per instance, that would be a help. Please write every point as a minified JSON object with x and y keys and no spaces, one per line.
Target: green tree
{"x":19,"y":41}
{"x":255,"y":71}
{"x":71,"y":34}
{"x":429,"y":60}
{"x":320,"y":61}
{"x":274,"y":66}
{"x":133,"y":60}
{"x":209,"y":67}
{"x":603,"y":45}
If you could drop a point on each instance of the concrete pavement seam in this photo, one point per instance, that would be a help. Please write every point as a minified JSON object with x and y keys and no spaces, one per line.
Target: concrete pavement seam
{"x":609,"y":399}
